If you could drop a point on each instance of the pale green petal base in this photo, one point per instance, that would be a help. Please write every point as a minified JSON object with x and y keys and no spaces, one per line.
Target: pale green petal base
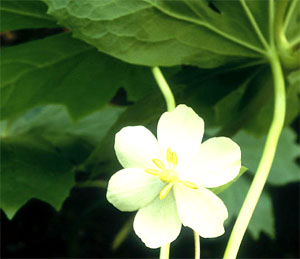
{"x":181,"y":130}
{"x":201,"y":210}
{"x":217,"y":163}
{"x":130,"y":189}
{"x":158,"y":223}
{"x":136,"y":147}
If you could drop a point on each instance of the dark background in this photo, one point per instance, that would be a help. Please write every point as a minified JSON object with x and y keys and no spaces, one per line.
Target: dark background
{"x":87,"y":223}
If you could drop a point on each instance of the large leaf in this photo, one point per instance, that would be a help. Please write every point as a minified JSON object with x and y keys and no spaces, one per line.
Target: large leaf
{"x":41,"y":150}
{"x":262,"y":115}
{"x":31,"y":168}
{"x":230,"y":98}
{"x":63,"y":70}
{"x":23,"y":14}
{"x":237,"y":98}
{"x":166,"y":33}
{"x":262,"y":219}
{"x":284,"y":169}
{"x":144,"y":112}
{"x":292,"y":22}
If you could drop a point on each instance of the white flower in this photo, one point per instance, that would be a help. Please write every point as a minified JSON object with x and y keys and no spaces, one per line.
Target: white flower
{"x":166,"y":179}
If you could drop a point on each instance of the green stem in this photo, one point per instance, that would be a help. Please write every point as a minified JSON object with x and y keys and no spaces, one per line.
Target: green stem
{"x":164,"y":252}
{"x":164,"y":87}
{"x":197,"y":245}
{"x":289,"y":58}
{"x":265,"y":164}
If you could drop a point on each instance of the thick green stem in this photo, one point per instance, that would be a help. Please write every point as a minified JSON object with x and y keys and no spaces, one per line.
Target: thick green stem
{"x":265,"y":164}
{"x":164,"y":87}
{"x":289,"y":58}
{"x":164,"y":252}
{"x":197,"y":245}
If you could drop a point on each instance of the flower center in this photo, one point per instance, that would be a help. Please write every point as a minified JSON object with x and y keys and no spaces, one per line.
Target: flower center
{"x":168,"y":174}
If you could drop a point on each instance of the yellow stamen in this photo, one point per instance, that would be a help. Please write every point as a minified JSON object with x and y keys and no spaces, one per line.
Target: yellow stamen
{"x":169,"y":155}
{"x":158,"y":163}
{"x":174,"y":158}
{"x":190,"y":184}
{"x":168,"y":174}
{"x":165,"y":190}
{"x":152,"y":171}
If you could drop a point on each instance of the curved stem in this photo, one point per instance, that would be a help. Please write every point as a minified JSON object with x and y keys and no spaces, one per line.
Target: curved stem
{"x":197,"y":245}
{"x":164,"y":252}
{"x":265,"y":164}
{"x":164,"y":87}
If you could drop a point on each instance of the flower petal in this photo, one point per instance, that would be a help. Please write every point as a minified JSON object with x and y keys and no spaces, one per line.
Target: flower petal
{"x":217,"y":162}
{"x":130,"y":189}
{"x":158,"y":223}
{"x":181,"y":130}
{"x":136,"y":147}
{"x":201,"y":210}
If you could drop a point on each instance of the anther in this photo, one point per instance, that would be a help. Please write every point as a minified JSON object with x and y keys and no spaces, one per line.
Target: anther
{"x":169,"y":155}
{"x":152,"y":172}
{"x":174,"y":158}
{"x":165,"y":190}
{"x":190,"y":184}
{"x":159,"y":163}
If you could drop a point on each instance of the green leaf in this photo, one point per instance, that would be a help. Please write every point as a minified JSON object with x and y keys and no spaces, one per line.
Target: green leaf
{"x":144,"y":112}
{"x":262,"y":219}
{"x":284,"y":169}
{"x":168,"y":33}
{"x":222,"y":188}
{"x":24,"y":14}
{"x":41,"y":150}
{"x":75,"y":140}
{"x":250,"y":104}
{"x":31,"y":168}
{"x":293,"y":22}
{"x":63,"y":70}
{"x":292,"y":97}
{"x":261,"y":119}
{"x":240,"y":108}
{"x":229,"y":98}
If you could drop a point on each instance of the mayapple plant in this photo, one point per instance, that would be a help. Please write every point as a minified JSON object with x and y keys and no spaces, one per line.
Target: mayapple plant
{"x":166,"y":179}
{"x":174,"y":179}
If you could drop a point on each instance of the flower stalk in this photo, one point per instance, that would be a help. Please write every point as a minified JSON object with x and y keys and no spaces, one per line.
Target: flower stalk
{"x":164,"y":87}
{"x":164,"y":252}
{"x":266,"y":161}
{"x":197,"y":245}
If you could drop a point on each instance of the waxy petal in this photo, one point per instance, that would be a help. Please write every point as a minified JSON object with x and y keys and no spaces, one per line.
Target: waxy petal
{"x":217,"y":162}
{"x":181,"y":130}
{"x":201,"y":210}
{"x":136,"y":147}
{"x":130,"y":189}
{"x":158,"y":223}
